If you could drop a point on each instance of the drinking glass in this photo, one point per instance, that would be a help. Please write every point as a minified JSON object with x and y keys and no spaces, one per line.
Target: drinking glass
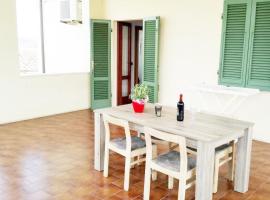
{"x":158,"y":109}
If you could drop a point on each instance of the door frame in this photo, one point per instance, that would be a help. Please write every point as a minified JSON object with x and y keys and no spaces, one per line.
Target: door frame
{"x":119,"y":59}
{"x":136,"y":56}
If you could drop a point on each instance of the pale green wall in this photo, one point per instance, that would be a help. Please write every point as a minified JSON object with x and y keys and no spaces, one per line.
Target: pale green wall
{"x":97,"y":9}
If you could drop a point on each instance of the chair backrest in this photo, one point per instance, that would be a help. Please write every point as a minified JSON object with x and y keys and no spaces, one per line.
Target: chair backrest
{"x":181,"y":141}
{"x":118,"y":122}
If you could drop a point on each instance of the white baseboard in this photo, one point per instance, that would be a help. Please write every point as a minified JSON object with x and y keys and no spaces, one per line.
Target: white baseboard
{"x":44,"y":115}
{"x":262,"y":138}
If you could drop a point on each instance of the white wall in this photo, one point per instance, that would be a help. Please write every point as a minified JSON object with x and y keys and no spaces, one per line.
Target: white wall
{"x":189,"y":50}
{"x":33,"y":96}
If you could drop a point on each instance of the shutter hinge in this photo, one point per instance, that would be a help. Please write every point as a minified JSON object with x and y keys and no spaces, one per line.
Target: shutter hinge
{"x":111,"y":30}
{"x":222,"y":15}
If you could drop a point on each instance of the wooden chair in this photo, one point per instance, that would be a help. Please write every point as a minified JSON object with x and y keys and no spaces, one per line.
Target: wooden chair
{"x":128,"y":146}
{"x":224,"y":154}
{"x":157,"y":141}
{"x":173,"y":163}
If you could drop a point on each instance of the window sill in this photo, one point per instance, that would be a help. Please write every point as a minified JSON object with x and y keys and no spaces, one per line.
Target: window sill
{"x":51,"y":74}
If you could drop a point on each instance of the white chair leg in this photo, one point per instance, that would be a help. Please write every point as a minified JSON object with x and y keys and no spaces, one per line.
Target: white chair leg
{"x":154,"y":175}
{"x":232,"y":163}
{"x":106,"y":162}
{"x":170,"y":179}
{"x":170,"y":182}
{"x":216,"y":171}
{"x":127,"y":173}
{"x":182,"y":190}
{"x":138,"y":157}
{"x":233,"y":166}
{"x":132,"y":160}
{"x":230,"y":173}
{"x":154,"y":154}
{"x":147,"y":182}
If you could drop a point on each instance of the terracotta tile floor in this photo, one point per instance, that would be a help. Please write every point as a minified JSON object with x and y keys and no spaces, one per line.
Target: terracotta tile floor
{"x":52,"y":158}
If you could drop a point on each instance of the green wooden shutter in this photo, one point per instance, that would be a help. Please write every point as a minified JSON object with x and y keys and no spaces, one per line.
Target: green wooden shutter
{"x":151,"y":56}
{"x":100,"y":64}
{"x":234,"y":46}
{"x":259,"y":59}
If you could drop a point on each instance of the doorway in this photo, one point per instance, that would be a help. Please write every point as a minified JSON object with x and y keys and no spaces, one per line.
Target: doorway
{"x":129,"y":58}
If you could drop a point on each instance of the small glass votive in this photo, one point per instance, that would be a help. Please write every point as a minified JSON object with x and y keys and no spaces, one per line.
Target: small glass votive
{"x":158,"y":109}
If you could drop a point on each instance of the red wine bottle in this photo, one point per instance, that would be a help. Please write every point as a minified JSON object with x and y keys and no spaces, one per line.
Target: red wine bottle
{"x":180,"y":109}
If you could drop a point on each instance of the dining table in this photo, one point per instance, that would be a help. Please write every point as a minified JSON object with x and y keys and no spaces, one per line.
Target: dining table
{"x":203,"y":131}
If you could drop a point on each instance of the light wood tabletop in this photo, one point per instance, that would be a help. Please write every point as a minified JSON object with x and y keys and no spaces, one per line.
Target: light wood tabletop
{"x":202,"y":130}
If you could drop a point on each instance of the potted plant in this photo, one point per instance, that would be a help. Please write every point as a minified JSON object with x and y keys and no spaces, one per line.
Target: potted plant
{"x":139,"y":96}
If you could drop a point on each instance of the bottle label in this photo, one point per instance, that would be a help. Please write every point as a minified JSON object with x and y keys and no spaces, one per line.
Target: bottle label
{"x":180,"y":111}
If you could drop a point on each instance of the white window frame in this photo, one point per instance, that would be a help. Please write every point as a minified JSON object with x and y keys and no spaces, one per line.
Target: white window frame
{"x":42,"y":68}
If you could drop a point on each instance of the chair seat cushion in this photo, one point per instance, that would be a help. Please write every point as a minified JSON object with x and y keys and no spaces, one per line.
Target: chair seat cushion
{"x":171,"y":160}
{"x":220,"y":148}
{"x":136,"y":143}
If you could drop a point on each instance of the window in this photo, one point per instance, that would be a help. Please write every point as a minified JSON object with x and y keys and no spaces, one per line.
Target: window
{"x":48,"y":41}
{"x":245,"y":47}
{"x":29,"y":36}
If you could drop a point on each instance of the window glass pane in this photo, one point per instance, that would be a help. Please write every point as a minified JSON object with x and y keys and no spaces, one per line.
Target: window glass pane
{"x":125,"y":51}
{"x":140,"y":71}
{"x":65,"y":45}
{"x":29,"y":36}
{"x":124,"y":88}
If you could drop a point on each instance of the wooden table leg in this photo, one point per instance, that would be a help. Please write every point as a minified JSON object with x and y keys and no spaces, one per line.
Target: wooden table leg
{"x":243,"y":157}
{"x":99,"y":142}
{"x":204,"y":171}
